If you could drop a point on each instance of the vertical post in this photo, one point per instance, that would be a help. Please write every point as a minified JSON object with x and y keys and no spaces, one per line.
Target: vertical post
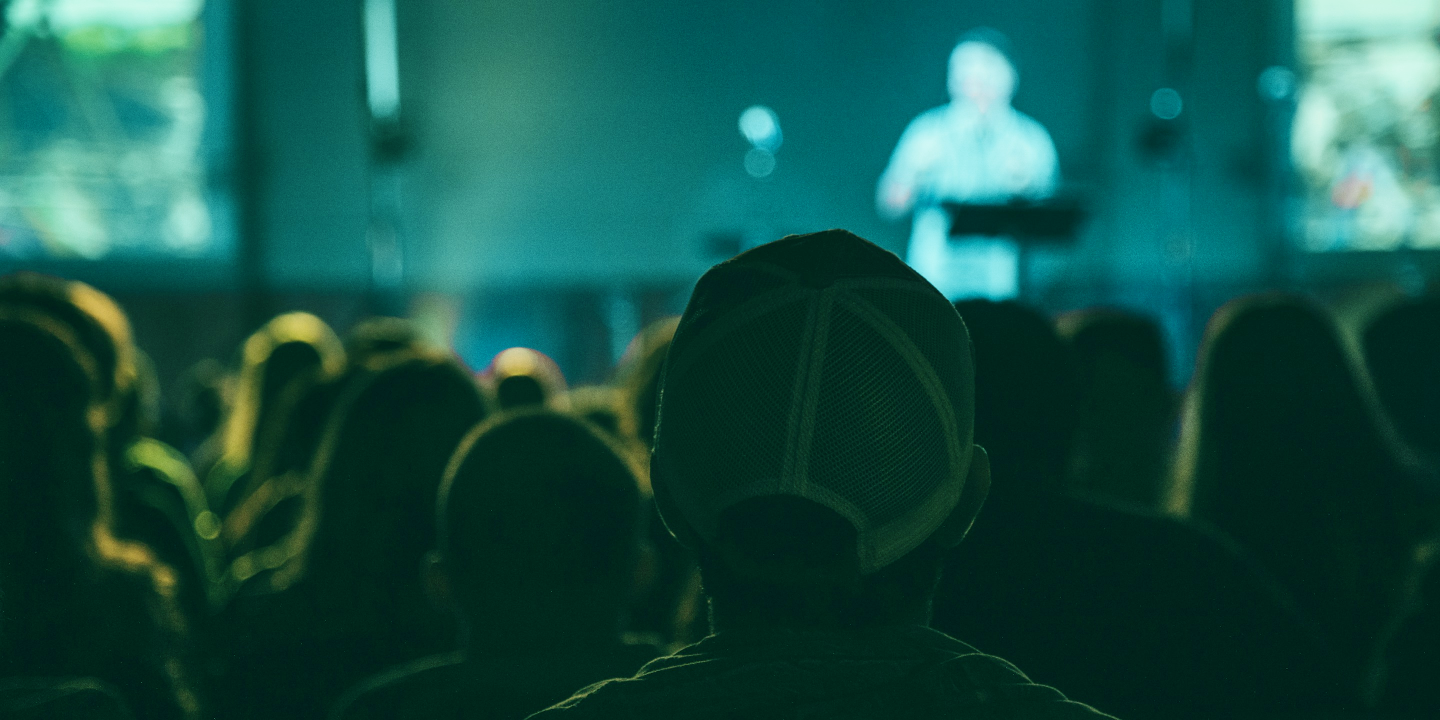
{"x":387,"y":146}
{"x":250,"y":242}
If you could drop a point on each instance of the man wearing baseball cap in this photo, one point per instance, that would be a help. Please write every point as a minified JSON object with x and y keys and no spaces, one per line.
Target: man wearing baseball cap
{"x":814,"y":447}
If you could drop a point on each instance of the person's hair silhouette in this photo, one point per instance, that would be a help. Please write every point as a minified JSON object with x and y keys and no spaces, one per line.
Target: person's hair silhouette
{"x":1025,"y":403}
{"x":292,"y":348}
{"x":1126,"y":411}
{"x":78,"y":601}
{"x":1283,"y":450}
{"x":540,"y":535}
{"x":340,"y":597}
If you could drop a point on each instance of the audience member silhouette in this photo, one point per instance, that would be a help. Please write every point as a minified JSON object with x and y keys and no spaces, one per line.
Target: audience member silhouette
{"x":340,"y":598}
{"x":289,"y":347}
{"x":78,"y":601}
{"x":1402,"y":350}
{"x":1099,"y":599}
{"x":1282,"y":450}
{"x":156,"y":499}
{"x":280,"y":473}
{"x":813,"y":446}
{"x":1126,"y":411}
{"x":540,"y":529}
{"x":521,"y":377}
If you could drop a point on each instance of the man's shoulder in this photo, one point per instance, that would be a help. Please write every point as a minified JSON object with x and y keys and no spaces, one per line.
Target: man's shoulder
{"x":953,"y":680}
{"x":993,"y":685}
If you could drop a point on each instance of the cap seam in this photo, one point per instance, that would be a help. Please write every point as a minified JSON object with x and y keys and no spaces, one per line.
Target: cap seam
{"x":796,"y":407}
{"x":798,"y":477}
{"x":719,"y":330}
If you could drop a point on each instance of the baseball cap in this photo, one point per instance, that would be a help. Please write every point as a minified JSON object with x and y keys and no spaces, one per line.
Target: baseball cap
{"x":821,"y":367}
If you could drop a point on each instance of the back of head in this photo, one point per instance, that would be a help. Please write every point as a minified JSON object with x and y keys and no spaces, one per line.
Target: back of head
{"x":48,"y":442}
{"x":540,"y":522}
{"x":370,"y":513}
{"x":1402,"y":350}
{"x":97,"y":323}
{"x":77,"y":600}
{"x":1282,"y":450}
{"x":522,"y":377}
{"x":813,"y":378}
{"x":1276,"y":396}
{"x":1024,"y":397}
{"x":1125,"y":407}
{"x":288,"y":347}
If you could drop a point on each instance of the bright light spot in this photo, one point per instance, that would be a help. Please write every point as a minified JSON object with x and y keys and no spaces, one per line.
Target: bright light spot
{"x":1166,"y":104}
{"x":1277,"y":83}
{"x":516,"y":361}
{"x":188,"y":225}
{"x":382,"y":59}
{"x":759,"y":163}
{"x":761,"y":126}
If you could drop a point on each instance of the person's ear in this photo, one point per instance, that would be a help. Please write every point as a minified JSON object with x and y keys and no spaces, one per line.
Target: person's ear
{"x":972,"y":498}
{"x":670,"y":513}
{"x":435,"y":577}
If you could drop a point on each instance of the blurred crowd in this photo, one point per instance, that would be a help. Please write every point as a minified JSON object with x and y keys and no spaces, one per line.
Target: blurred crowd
{"x":361,"y":527}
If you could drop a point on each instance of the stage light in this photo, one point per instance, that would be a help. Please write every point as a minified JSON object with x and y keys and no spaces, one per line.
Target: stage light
{"x":1276,"y":83}
{"x":759,"y":163}
{"x":761,"y":126}
{"x":1166,"y":104}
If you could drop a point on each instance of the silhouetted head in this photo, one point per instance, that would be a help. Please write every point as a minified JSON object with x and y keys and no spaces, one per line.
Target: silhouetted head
{"x":1402,"y":349}
{"x":639,"y":371}
{"x":98,"y":324}
{"x":78,"y":601}
{"x":51,"y":431}
{"x":288,"y":347}
{"x":540,"y":528}
{"x":1126,"y":410}
{"x":522,"y":377}
{"x":981,"y":72}
{"x":1024,"y":397}
{"x":1282,"y":450}
{"x":370,"y":510}
{"x":1276,"y":396}
{"x":814,"y":441}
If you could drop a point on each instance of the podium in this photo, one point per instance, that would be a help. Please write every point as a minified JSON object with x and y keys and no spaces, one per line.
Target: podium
{"x":1048,"y":222}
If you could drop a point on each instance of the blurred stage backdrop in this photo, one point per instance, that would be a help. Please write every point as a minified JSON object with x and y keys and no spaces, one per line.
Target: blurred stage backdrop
{"x":556,"y":173}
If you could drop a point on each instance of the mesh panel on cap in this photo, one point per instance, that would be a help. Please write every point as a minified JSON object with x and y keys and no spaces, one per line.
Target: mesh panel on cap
{"x":726,"y":412}
{"x":877,"y":441}
{"x":935,"y":329}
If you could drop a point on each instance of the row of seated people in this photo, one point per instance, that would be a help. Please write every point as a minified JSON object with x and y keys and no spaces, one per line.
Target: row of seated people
{"x":364,"y":529}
